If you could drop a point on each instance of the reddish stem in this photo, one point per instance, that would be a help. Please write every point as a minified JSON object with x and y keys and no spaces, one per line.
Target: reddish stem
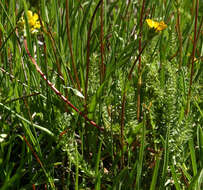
{"x":139,"y":66}
{"x":57,"y":92}
{"x":33,"y":187}
{"x":34,"y":153}
{"x":102,"y":45}
{"x":193,"y":56}
{"x":70,"y":45}
{"x":88,"y":48}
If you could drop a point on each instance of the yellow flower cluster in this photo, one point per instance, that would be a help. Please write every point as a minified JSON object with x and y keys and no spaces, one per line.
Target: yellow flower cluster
{"x":33,"y":22}
{"x":157,"y":26}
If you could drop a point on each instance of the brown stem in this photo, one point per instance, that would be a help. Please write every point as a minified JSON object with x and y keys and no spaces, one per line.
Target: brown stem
{"x":70,"y":45}
{"x":123,"y":114}
{"x":34,"y":153}
{"x":23,"y":97}
{"x":57,"y":92}
{"x":193,"y":56}
{"x":33,"y":187}
{"x":179,"y":37}
{"x":88,"y":48}
{"x":133,"y":66}
{"x":139,"y":66}
{"x":37,"y":158}
{"x":57,"y":63}
{"x":53,"y":44}
{"x":102,"y":45}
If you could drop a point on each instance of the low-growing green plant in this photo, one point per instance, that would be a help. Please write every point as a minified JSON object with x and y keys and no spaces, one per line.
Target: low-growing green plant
{"x":101,"y":94}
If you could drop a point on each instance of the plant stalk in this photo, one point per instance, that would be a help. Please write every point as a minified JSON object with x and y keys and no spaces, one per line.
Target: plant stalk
{"x":193,"y":60}
{"x":70,"y":45}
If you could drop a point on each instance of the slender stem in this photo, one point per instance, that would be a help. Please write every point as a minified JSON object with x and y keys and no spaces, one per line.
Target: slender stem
{"x":123,"y":113}
{"x":39,"y":161}
{"x":192,"y":9}
{"x":88,"y":48}
{"x":70,"y":45}
{"x":53,"y":44}
{"x":139,"y":66}
{"x":57,"y":92}
{"x":23,"y":97}
{"x":102,"y":44}
{"x":58,"y":64}
{"x":122,"y":128}
{"x":179,"y":37}
{"x":34,"y":153}
{"x":193,"y":56}
{"x":133,"y":66}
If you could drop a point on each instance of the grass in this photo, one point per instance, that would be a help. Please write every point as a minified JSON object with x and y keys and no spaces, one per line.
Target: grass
{"x":96,"y":99}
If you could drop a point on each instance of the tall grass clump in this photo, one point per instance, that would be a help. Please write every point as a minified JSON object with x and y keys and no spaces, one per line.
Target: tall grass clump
{"x":102,"y":94}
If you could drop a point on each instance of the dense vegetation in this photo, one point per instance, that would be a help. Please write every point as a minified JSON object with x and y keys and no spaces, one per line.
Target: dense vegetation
{"x":94,"y":97}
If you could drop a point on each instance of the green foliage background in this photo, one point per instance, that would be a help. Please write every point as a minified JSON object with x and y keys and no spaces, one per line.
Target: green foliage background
{"x":148,"y":132}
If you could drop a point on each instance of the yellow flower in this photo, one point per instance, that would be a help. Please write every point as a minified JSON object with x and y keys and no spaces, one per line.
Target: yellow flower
{"x":33,"y":22}
{"x":157,"y":26}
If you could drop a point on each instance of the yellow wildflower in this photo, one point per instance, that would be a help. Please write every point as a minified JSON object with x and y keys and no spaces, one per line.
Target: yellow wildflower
{"x":33,"y":22}
{"x":157,"y":26}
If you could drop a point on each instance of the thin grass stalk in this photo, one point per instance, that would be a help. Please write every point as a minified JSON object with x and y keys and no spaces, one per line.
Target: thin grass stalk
{"x":9,"y":35}
{"x":123,"y":106}
{"x":49,"y":34}
{"x":57,"y":92}
{"x":140,"y":60}
{"x":55,"y":55}
{"x":102,"y":44}
{"x":97,"y":172}
{"x":184,"y":178}
{"x":200,"y":27}
{"x":22,"y":62}
{"x":77,"y":169}
{"x":128,"y":5}
{"x":1,"y":37}
{"x":123,"y":115}
{"x":193,"y":156}
{"x":40,"y":163}
{"x":155,"y":173}
{"x":179,"y":36}
{"x":133,"y":66}
{"x":37,"y":145}
{"x":175,"y":177}
{"x":88,"y":49}
{"x":16,"y":80}
{"x":22,"y":97}
{"x":57,"y":63}
{"x":34,"y":153}
{"x":27,"y":121}
{"x":122,"y":128}
{"x":200,"y":143}
{"x":165,"y":160}
{"x":70,"y":45}
{"x":193,"y":60}
{"x":141,"y":156}
{"x":192,"y":9}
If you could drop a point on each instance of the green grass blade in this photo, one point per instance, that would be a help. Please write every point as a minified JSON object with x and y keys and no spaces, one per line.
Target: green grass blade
{"x":193,"y":156}
{"x":200,"y":143}
{"x":155,"y":174}
{"x":141,"y":157}
{"x":175,"y":177}
{"x":27,"y":121}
